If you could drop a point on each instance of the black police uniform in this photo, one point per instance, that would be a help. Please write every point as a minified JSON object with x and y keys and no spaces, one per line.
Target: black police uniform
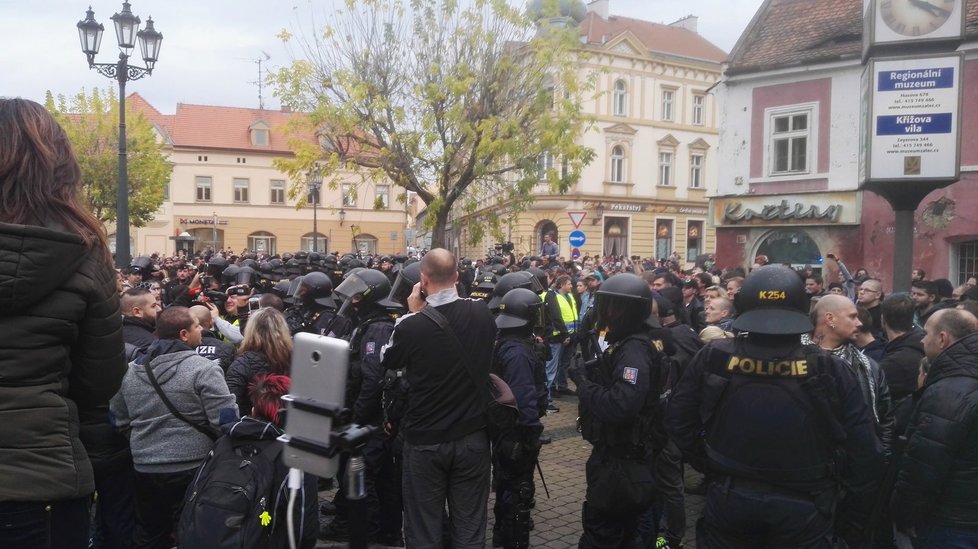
{"x":518,"y":364}
{"x":770,"y":422}
{"x":383,"y":476}
{"x":619,"y":409}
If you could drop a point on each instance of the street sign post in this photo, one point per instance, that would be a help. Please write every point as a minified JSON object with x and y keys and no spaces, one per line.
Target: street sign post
{"x":576,"y":239}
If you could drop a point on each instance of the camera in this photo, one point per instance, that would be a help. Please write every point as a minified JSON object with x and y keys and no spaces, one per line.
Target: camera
{"x":240,"y":290}
{"x":506,"y":247}
{"x":253,"y":304}
{"x":215,"y":296}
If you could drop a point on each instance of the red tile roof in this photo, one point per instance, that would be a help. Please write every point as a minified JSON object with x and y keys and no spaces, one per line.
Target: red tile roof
{"x":799,"y":32}
{"x":656,"y":37}
{"x":210,"y":127}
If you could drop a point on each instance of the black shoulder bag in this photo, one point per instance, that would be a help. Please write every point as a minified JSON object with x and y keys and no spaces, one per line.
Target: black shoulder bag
{"x":204,"y":428}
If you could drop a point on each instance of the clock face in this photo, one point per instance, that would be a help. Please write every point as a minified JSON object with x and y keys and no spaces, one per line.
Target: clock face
{"x":916,"y":17}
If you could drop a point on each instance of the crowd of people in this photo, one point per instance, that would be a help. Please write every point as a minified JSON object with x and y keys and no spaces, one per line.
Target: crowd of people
{"x":822,"y":412}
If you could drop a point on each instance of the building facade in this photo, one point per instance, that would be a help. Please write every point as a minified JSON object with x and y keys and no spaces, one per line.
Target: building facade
{"x":225,"y":191}
{"x":789,"y":151}
{"x":655,"y":137}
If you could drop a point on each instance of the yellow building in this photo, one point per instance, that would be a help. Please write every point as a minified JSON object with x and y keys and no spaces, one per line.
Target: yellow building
{"x":655,"y":140}
{"x":225,"y":191}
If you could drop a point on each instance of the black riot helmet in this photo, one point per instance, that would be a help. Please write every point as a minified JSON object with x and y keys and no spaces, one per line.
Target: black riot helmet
{"x":541,"y":277}
{"x":317,"y":287}
{"x":520,"y":307}
{"x":482,"y":288}
{"x":370,"y":285}
{"x":229,"y":274}
{"x":509,"y":282}
{"x":142,"y":265}
{"x":216,"y":266}
{"x":246,"y":275}
{"x":773,"y":301}
{"x":623,"y":302}
{"x":407,"y":277}
{"x":498,"y":269}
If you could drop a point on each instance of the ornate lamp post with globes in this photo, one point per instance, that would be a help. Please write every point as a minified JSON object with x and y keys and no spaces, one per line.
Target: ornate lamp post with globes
{"x":126,"y":31}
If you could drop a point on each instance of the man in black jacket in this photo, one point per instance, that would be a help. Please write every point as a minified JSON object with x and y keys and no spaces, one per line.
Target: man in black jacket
{"x":903,"y":352}
{"x":446,"y":447}
{"x":934,"y":499}
{"x":139,"y":310}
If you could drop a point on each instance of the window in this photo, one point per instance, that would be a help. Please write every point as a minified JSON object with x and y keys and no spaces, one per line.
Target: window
{"x":790,"y":142}
{"x":365,"y":244}
{"x":203,"y":189}
{"x":696,"y":171}
{"x":564,"y":168}
{"x":278,"y":191}
{"x":617,"y":164}
{"x":382,"y":197}
{"x":621,"y":96}
{"x":240,"y":190}
{"x":665,"y":169}
{"x":166,"y":191}
{"x":349,"y":195}
{"x":663,"y":238}
{"x":545,"y":162}
{"x":699,"y":101}
{"x":967,"y":260}
{"x":259,"y":137}
{"x":262,"y":242}
{"x":694,"y":240}
{"x":308,"y":244}
{"x":667,"y":97}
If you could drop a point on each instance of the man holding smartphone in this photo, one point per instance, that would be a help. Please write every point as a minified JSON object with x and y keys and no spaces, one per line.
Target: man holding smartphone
{"x":446,"y":446}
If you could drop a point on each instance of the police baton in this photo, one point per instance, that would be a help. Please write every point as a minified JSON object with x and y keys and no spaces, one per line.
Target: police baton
{"x":542,"y":480}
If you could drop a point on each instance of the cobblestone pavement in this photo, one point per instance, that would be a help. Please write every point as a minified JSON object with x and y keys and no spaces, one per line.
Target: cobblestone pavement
{"x":557,"y":519}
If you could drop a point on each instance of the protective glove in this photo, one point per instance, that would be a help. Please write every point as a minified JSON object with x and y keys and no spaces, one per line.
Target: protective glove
{"x":577,"y":372}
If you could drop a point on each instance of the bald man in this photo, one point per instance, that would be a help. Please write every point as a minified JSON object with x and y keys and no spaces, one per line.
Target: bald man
{"x":836,"y":322}
{"x":216,"y":350}
{"x":446,"y":448}
{"x":934,"y":498}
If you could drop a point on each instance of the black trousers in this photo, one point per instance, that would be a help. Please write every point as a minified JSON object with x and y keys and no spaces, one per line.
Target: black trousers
{"x":515,"y":490}
{"x":159,"y":499}
{"x":750,"y":517}
{"x":44,"y":525}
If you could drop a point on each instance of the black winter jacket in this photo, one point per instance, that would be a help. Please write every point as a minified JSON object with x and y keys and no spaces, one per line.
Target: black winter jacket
{"x":938,"y":480}
{"x":901,"y":361}
{"x":244,"y":368}
{"x":61,"y":360}
{"x":138,"y":332}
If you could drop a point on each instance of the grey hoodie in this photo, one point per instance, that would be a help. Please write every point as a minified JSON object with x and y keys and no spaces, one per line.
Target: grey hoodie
{"x":160,"y":442}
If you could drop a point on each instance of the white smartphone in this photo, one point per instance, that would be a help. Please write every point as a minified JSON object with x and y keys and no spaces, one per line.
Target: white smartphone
{"x":319,"y":367}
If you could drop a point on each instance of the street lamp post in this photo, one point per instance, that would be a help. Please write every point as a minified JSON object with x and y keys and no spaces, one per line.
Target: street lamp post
{"x":315,"y":184}
{"x":126,"y":31}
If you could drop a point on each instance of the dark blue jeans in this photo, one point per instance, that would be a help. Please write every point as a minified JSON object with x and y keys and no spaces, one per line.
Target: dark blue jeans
{"x":944,"y":537}
{"x":45,"y":525}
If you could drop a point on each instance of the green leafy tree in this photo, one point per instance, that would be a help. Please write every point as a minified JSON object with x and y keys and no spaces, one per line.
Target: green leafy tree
{"x":92,"y":124}
{"x":453,"y":102}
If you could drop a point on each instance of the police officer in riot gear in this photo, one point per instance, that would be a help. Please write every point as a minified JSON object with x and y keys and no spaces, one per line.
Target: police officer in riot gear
{"x":314,"y":305}
{"x":367,"y":291}
{"x":517,"y":363}
{"x":778,"y":425}
{"x":620,"y":414}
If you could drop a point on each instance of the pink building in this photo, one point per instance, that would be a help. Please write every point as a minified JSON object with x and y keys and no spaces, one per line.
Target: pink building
{"x":789,"y":151}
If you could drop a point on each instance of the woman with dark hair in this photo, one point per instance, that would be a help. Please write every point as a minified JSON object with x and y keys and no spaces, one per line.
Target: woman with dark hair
{"x":61,"y":356}
{"x":265,"y":349}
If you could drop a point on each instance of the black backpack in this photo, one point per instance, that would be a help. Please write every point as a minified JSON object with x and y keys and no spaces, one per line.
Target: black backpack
{"x":233,"y":499}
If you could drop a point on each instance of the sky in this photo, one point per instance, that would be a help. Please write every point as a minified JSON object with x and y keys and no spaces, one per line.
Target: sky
{"x":211,"y":47}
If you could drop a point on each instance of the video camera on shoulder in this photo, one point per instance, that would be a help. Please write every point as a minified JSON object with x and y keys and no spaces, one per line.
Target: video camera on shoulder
{"x":506,"y":247}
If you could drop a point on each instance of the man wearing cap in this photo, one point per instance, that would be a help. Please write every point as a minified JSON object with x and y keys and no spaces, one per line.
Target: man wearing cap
{"x":777,"y":468}
{"x":592,"y":281}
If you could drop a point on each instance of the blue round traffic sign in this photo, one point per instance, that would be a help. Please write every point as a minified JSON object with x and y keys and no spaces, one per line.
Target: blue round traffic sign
{"x":576,"y":238}
{"x":575,"y":253}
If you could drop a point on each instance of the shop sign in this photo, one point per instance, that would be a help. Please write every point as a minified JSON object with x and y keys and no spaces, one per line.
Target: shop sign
{"x":201,"y":221}
{"x":814,"y":209}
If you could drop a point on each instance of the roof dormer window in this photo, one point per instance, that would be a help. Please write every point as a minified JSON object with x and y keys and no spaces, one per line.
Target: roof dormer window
{"x":259,"y":134}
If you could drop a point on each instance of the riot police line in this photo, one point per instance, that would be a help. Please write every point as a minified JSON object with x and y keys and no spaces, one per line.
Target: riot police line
{"x":790,"y":446}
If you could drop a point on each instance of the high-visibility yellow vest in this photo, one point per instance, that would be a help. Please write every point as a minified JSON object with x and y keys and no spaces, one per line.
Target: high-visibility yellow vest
{"x":568,"y":311}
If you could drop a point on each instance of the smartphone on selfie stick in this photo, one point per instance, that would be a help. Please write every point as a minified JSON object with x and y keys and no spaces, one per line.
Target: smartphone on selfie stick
{"x":318,"y":428}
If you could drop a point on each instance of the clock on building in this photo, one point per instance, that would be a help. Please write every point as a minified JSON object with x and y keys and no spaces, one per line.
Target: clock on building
{"x":903,"y":22}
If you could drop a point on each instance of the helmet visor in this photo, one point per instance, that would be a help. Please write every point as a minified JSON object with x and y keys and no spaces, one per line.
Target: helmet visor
{"x":351,"y":286}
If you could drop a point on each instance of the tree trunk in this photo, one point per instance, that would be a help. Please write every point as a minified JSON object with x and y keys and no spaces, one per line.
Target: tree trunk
{"x":438,"y":230}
